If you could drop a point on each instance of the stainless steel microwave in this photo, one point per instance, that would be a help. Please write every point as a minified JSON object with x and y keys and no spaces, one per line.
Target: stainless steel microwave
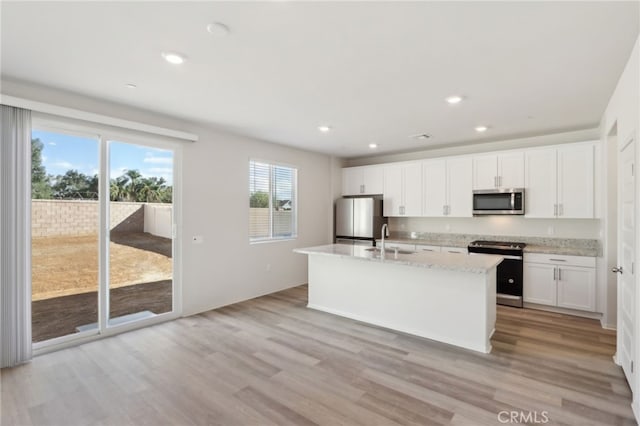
{"x":498,"y":201}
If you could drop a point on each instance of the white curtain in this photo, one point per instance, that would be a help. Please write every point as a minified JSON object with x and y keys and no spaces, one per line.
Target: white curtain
{"x":15,"y":236}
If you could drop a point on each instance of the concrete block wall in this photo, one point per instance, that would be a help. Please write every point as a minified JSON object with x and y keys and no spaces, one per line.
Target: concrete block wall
{"x":80,"y":217}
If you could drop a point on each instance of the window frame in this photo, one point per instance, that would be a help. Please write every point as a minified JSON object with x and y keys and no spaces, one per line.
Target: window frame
{"x":294,"y":208}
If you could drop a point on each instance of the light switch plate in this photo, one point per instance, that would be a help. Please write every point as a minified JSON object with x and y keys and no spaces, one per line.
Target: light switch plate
{"x":197,"y":239}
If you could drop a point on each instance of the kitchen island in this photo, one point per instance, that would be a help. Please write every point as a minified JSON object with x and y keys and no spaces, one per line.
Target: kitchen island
{"x":446,"y":297}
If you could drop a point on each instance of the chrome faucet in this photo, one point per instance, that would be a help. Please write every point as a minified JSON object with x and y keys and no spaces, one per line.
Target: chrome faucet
{"x":385,"y":233}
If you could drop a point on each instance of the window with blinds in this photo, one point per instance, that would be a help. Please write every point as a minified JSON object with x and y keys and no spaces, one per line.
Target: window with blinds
{"x":272,"y":201}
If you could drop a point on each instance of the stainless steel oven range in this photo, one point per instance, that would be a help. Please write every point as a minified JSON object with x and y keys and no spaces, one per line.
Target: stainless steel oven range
{"x":509,"y":272}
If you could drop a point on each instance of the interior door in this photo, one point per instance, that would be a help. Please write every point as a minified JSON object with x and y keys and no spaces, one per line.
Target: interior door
{"x":626,"y":256}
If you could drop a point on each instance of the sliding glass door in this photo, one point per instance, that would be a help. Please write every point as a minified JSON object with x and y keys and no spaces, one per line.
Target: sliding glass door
{"x":140,"y":236}
{"x":64,"y":234}
{"x":102,"y":234}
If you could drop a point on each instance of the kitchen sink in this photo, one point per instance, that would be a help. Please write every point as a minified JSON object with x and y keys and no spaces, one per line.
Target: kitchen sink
{"x":390,"y":251}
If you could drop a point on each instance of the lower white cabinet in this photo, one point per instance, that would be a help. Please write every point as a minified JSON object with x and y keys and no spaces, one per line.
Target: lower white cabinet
{"x":456,"y":250}
{"x":562,"y":281}
{"x":427,"y":248}
{"x":399,"y":246}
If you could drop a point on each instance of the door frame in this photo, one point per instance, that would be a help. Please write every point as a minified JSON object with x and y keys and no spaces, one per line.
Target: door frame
{"x":104,"y":134}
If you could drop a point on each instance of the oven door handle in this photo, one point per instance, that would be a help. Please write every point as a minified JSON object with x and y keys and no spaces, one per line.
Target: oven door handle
{"x":503,"y":255}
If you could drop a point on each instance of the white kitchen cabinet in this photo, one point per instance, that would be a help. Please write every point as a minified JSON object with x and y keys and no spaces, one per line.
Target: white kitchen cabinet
{"x":562,"y":281}
{"x":363,"y":180}
{"x":434,"y":174}
{"x":427,"y":248}
{"x":402,"y":189}
{"x":399,"y":246}
{"x":577,"y":288}
{"x":459,"y":184}
{"x":504,"y":170}
{"x":540,"y":183}
{"x":559,"y":182}
{"x":447,"y":187}
{"x":575,"y":181}
{"x":539,"y":284}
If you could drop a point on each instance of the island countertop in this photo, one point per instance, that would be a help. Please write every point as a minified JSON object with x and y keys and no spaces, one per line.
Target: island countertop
{"x":479,"y":264}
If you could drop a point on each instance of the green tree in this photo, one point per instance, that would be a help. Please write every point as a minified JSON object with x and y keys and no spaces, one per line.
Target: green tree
{"x":40,"y":182}
{"x":73,"y":185}
{"x":259,"y":199}
{"x":133,"y":187}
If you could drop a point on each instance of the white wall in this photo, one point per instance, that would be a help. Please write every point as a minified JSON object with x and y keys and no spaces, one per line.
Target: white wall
{"x":623,"y":115}
{"x":226,"y":268}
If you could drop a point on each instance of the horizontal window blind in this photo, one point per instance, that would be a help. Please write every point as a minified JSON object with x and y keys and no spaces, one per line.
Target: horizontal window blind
{"x":272,"y":201}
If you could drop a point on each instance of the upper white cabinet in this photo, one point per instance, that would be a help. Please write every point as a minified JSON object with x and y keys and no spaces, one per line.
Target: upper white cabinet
{"x":402,"y":189}
{"x":504,"y":170}
{"x":364,"y":180}
{"x":447,"y":187}
{"x":575,"y":181}
{"x":559,"y":182}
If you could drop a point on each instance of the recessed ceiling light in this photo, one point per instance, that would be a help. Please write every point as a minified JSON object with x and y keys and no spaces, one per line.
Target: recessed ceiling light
{"x":454,"y":99}
{"x":324,"y":129}
{"x":481,"y":129}
{"x":218,"y":29}
{"x":421,"y":136}
{"x":130,"y":86}
{"x":373,"y":145}
{"x":173,"y":58}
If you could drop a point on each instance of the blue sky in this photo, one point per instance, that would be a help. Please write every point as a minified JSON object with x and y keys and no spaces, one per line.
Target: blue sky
{"x":64,"y":152}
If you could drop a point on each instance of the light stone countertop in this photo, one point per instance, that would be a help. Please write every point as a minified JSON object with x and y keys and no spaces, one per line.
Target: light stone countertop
{"x":480,"y":264}
{"x":561,"y":246}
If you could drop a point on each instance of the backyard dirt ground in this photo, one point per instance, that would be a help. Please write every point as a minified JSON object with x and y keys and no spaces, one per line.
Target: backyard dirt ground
{"x":66,"y":265}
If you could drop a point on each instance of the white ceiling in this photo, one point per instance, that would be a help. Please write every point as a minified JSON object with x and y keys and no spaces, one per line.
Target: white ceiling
{"x":374,"y":71}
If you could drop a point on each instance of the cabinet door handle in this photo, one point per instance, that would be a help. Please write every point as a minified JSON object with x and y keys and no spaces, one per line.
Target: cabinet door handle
{"x":555,"y":210}
{"x":427,"y":249}
{"x":444,"y":210}
{"x":555,"y":273}
{"x":362,"y":189}
{"x":557,"y":260}
{"x":560,"y":209}
{"x":559,"y":274}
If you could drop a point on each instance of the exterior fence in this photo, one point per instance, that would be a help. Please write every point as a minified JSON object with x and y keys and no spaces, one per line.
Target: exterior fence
{"x":259,"y":222}
{"x":80,"y":217}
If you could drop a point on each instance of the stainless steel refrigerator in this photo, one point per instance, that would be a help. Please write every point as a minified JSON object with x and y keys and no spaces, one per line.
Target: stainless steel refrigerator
{"x":359,"y":220}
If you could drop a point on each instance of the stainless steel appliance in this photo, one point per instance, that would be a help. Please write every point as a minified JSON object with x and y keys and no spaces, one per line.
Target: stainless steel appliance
{"x":509,"y":272}
{"x":498,"y":201}
{"x":359,"y":220}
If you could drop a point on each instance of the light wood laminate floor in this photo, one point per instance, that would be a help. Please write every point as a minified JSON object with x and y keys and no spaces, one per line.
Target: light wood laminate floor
{"x":273,"y":361}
